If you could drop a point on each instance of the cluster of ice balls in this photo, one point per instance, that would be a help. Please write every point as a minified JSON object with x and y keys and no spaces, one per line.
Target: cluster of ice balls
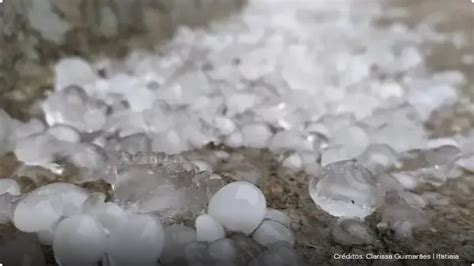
{"x":83,"y":229}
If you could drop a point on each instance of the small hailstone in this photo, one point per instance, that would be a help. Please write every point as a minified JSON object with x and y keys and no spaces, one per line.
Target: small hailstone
{"x":208,"y":229}
{"x":352,"y":231}
{"x":79,"y":240}
{"x":138,"y":240}
{"x":44,"y":206}
{"x":10,"y":186}
{"x":277,"y":216}
{"x":345,"y":188}
{"x":378,"y":158}
{"x":293,"y":161}
{"x":73,"y":71}
{"x":227,"y":204}
{"x":39,"y":149}
{"x":256,"y":135}
{"x":32,"y":127}
{"x":270,"y":232}
{"x":235,"y":139}
{"x":176,"y":239}
{"x":64,"y":133}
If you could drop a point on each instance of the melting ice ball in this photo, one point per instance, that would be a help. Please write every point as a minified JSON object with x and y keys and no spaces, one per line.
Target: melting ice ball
{"x":345,"y":188}
{"x":238,"y":206}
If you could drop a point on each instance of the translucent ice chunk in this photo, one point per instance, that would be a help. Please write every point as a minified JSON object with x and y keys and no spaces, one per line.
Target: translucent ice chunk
{"x":345,"y":188}
{"x":226,"y":204}
{"x":64,"y":133}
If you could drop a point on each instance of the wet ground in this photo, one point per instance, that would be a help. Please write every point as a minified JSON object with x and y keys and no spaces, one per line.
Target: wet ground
{"x":24,"y":79}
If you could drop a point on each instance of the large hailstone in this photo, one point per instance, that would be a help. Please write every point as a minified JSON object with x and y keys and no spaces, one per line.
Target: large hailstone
{"x":79,"y":240}
{"x":238,"y":206}
{"x":139,"y":240}
{"x":345,"y":188}
{"x":43,"y":207}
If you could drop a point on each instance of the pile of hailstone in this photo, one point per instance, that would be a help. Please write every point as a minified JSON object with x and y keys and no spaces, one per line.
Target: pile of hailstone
{"x":304,"y":80}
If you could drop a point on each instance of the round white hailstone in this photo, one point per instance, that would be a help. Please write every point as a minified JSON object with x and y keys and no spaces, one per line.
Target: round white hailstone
{"x":277,"y":216}
{"x":256,"y":135}
{"x":139,"y":240}
{"x":73,"y":71}
{"x":176,"y":238}
{"x":44,"y":206}
{"x":65,"y":133}
{"x":8,"y":185}
{"x":79,"y":240}
{"x":294,"y":162}
{"x":235,"y":139}
{"x":270,"y":232}
{"x":208,"y":229}
{"x":345,"y":188}
{"x":238,"y":206}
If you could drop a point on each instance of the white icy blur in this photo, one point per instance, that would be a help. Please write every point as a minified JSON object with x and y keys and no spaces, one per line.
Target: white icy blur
{"x":280,"y":75}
